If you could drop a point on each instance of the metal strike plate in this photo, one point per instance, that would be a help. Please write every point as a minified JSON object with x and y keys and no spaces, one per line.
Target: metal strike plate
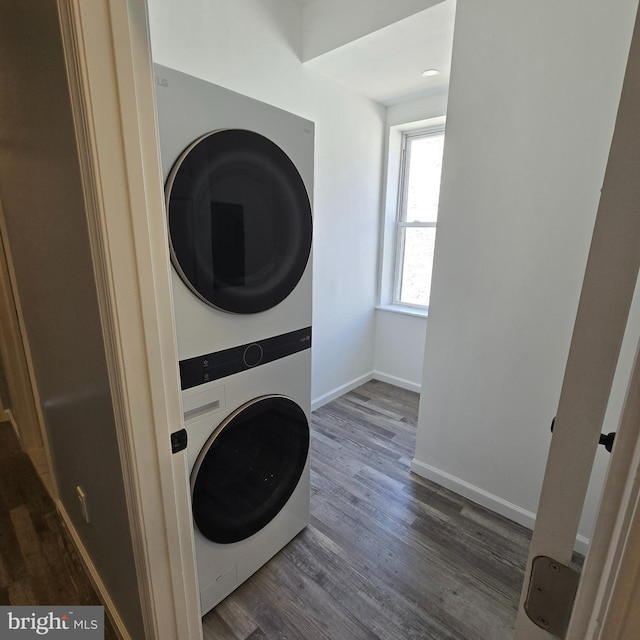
{"x":552,"y":591}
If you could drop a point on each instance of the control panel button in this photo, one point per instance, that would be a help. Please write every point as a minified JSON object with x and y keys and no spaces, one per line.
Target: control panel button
{"x":253,"y":355}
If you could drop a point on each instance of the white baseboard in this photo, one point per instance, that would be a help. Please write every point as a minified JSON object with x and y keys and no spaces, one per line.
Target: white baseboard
{"x":484,"y":498}
{"x":353,"y":384}
{"x":398,"y":382}
{"x":110,"y":608}
{"x":341,"y":390}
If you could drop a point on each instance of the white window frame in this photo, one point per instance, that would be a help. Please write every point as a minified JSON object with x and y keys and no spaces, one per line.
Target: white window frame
{"x":401,"y":223}
{"x":389,"y":213}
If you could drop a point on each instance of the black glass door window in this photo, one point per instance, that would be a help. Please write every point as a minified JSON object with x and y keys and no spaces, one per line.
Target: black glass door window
{"x":249,"y":468}
{"x":240,"y":221}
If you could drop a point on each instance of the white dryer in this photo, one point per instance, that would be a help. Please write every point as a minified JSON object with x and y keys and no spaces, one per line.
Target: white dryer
{"x":239,"y":179}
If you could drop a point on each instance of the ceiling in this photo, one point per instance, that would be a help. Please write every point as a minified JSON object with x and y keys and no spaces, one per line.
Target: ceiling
{"x":387,"y":64}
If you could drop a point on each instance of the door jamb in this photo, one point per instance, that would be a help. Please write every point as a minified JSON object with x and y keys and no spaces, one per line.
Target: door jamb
{"x":107,"y":51}
{"x":610,"y":578}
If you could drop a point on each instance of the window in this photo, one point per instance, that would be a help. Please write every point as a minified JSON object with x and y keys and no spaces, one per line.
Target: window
{"x":417,"y":214}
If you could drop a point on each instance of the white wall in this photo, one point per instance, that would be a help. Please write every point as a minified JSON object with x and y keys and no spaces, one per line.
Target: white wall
{"x":399,"y":348}
{"x":253,"y":47}
{"x":330,"y":24}
{"x":429,"y":106}
{"x":532,"y":104}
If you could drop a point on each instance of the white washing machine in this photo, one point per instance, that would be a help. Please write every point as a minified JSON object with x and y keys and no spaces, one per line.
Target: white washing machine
{"x":239,"y":178}
{"x":248,"y":451}
{"x":239,"y":182}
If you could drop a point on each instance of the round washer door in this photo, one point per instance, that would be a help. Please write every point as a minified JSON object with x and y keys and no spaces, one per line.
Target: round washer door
{"x":240,"y":221}
{"x":249,"y":468}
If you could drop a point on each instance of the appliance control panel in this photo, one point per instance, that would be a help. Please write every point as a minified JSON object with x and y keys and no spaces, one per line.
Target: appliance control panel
{"x":213,"y":366}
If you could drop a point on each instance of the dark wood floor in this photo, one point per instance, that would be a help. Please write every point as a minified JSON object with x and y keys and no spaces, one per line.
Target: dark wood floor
{"x":387,"y":555}
{"x":39,"y":564}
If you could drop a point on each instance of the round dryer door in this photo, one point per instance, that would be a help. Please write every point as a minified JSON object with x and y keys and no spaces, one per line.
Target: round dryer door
{"x":249,"y":468}
{"x":239,"y":221}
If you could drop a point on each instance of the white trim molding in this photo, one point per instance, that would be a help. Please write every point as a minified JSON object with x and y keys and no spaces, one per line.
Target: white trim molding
{"x":110,"y":608}
{"x":108,"y":56}
{"x":360,"y":380}
{"x":341,"y":390}
{"x":396,"y":381}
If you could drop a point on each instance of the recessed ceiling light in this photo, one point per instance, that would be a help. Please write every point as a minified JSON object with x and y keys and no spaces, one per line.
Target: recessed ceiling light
{"x":429,"y":73}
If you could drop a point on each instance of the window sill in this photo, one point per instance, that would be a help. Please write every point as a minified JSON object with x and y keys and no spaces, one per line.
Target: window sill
{"x":407,"y":311}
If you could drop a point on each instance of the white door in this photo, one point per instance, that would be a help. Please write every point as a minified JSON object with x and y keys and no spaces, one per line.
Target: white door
{"x":608,"y":287}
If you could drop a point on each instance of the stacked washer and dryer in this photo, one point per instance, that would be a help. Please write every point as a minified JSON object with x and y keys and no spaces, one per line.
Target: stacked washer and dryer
{"x":238,"y":183}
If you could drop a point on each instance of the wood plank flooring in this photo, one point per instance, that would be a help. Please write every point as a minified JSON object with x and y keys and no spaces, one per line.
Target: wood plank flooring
{"x":387,"y":555}
{"x":39,"y":564}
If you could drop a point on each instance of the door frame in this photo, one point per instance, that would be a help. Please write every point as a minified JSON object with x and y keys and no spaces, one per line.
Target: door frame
{"x":24,"y":414}
{"x":611,"y":579}
{"x":606,"y":605}
{"x":108,"y":58}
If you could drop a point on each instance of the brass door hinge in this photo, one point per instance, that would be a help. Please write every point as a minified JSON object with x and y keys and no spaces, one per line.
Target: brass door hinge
{"x":552,"y":591}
